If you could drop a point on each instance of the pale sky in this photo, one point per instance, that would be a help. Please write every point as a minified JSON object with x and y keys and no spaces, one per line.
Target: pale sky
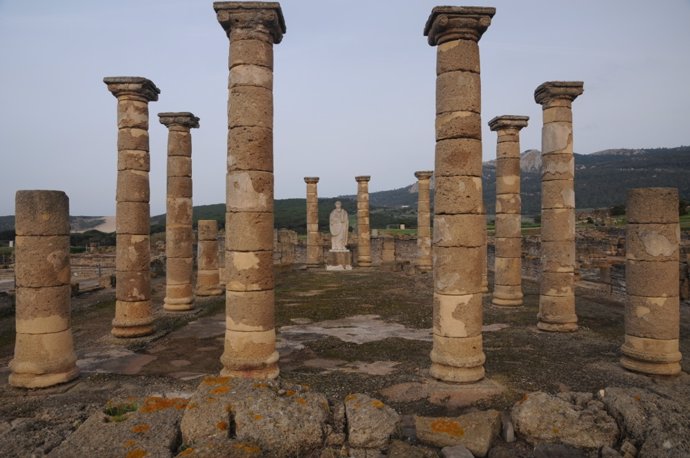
{"x":354,"y":87}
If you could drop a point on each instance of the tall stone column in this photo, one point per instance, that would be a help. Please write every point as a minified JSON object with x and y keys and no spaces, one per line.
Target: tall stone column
{"x":652,"y":312}
{"x":179,"y":236}
{"x":557,"y":289}
{"x":363,"y":229}
{"x":250,"y":338}
{"x":44,"y":350}
{"x":459,"y":222}
{"x":208,"y":275}
{"x":313,"y":237}
{"x":508,"y":239}
{"x":424,"y":260}
{"x":133,"y":314}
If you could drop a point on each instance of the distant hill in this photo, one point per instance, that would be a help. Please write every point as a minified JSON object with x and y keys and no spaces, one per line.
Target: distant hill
{"x":77,"y":223}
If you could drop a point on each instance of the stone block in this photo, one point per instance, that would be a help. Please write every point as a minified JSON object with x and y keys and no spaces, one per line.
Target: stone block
{"x":652,"y":242}
{"x":133,"y":160}
{"x":249,"y":310}
{"x":41,"y":213}
{"x":558,"y":167}
{"x":252,"y":231}
{"x":370,"y":423}
{"x":249,"y":270}
{"x":42,"y":261}
{"x":248,"y":353}
{"x":250,"y":148}
{"x":133,"y":114}
{"x":458,"y":270}
{"x":251,"y":75}
{"x":652,"y":278}
{"x":132,"y":218}
{"x":652,"y":317}
{"x":251,"y":52}
{"x":133,"y":252}
{"x":458,"y":194}
{"x":133,"y":139}
{"x":652,"y":205}
{"x":457,"y":316}
{"x":457,"y":55}
{"x":458,"y":157}
{"x":249,"y":191}
{"x":42,"y":360}
{"x":458,"y":91}
{"x":250,"y":106}
{"x":465,"y":230}
{"x":476,"y":430}
{"x":133,"y":286}
{"x":42,"y":310}
{"x":459,"y":125}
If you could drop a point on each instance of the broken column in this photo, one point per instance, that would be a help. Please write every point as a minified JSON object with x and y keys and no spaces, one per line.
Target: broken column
{"x":313,"y":237}
{"x":652,"y":310}
{"x":508,"y":239}
{"x":179,"y":236}
{"x":250,"y":338}
{"x":424,"y":260}
{"x":388,"y":251}
{"x":557,"y":289}
{"x":208,"y":275}
{"x":459,"y":222}
{"x":44,"y":350}
{"x":133,"y":314}
{"x":363,"y":230}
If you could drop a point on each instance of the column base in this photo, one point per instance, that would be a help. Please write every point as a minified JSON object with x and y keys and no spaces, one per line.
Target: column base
{"x":209,"y":291}
{"x":24,"y":380}
{"x":457,"y":359}
{"x":651,"y":356}
{"x":339,"y":260}
{"x":264,"y":373}
{"x":557,"y":327}
{"x":132,"y":319}
{"x":183,"y":304}
{"x":646,"y":367}
{"x":457,"y":374}
{"x":507,"y":302}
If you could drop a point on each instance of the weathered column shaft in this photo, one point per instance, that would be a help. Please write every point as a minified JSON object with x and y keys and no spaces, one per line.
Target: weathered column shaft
{"x":459,"y":222}
{"x":133,"y":314}
{"x":424,"y":258}
{"x":208,"y":275}
{"x":388,"y":250}
{"x":313,"y":237}
{"x":652,"y":312}
{"x":508,"y":238}
{"x":250,"y":339}
{"x":363,"y":228}
{"x":179,"y":235}
{"x":44,"y":350}
{"x":557,"y":289}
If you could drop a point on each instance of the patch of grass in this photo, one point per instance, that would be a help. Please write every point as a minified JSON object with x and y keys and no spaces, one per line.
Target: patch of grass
{"x":118,"y":412}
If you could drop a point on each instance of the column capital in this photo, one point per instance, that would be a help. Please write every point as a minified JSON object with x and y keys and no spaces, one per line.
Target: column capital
{"x":424,"y":174}
{"x":252,"y":15}
{"x":448,"y":23}
{"x":182,"y":119}
{"x":363,"y":178}
{"x":550,"y":91}
{"x":311,"y":180}
{"x":133,"y":86}
{"x":508,"y":122}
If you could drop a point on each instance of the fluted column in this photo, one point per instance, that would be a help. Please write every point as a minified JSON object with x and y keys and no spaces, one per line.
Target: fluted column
{"x":179,"y":236}
{"x":557,"y":288}
{"x":363,"y":229}
{"x":652,"y":311}
{"x":424,"y":259}
{"x":459,"y":222}
{"x":133,"y":314}
{"x":250,"y":338}
{"x":508,"y":239}
{"x":313,"y":237}
{"x":44,"y":349}
{"x":208,"y":275}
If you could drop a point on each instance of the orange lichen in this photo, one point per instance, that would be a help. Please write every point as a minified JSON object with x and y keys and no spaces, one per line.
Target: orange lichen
{"x":378,"y":404}
{"x":450,"y":427}
{"x":260,"y":385}
{"x":246,"y":447}
{"x":222,"y":425}
{"x":155,"y":403}
{"x":186,"y":452}
{"x":137,"y":453}
{"x":129,"y":444}
{"x":220,"y":390}
{"x":301,"y":401}
{"x":141,"y":428}
{"x":555,"y":430}
{"x":637,"y":397}
{"x":213,"y":381}
{"x":290,"y":392}
{"x":350,"y":397}
{"x":258,"y":417}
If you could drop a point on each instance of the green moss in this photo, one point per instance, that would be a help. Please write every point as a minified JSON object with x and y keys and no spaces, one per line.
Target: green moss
{"x":118,"y":412}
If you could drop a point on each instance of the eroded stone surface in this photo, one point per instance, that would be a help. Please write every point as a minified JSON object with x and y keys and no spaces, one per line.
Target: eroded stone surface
{"x":370,"y":422}
{"x":475,"y":430}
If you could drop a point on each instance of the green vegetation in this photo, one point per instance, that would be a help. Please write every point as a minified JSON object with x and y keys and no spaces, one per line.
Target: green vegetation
{"x":118,"y":412}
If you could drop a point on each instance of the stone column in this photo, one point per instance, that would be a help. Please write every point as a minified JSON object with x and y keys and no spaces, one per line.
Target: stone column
{"x":208,"y":275}
{"x":133,"y":314}
{"x":652,"y":311}
{"x":250,"y":338}
{"x":508,"y":239}
{"x":485,"y":254}
{"x":179,"y":236}
{"x":459,"y":222}
{"x":363,"y":230}
{"x":557,"y":290}
{"x":424,"y":260}
{"x":388,"y":250}
{"x":44,"y":350}
{"x":313,"y":237}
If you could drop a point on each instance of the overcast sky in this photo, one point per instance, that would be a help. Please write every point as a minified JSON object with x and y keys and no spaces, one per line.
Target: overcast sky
{"x":354,"y":87}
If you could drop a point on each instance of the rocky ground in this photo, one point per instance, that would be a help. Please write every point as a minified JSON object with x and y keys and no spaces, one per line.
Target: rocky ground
{"x":354,"y":380}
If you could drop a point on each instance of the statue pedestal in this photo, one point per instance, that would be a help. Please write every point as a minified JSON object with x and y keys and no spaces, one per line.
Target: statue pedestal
{"x":339,"y":260}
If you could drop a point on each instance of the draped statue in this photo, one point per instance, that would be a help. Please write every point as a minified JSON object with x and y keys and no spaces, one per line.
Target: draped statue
{"x":339,"y":225}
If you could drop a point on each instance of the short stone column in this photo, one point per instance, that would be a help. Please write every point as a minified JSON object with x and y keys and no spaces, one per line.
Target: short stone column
{"x":179,"y":235}
{"x":508,"y":238}
{"x":424,"y":259}
{"x":557,"y":288}
{"x":44,"y":350}
{"x":313,"y":237}
{"x":250,"y":338}
{"x":459,"y":221}
{"x":652,"y":310}
{"x":133,"y":314}
{"x":208,"y":274}
{"x":388,"y":250}
{"x":363,"y":229}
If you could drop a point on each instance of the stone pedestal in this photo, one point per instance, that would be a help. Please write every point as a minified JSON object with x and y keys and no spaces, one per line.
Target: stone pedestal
{"x":652,"y":312}
{"x":508,"y":239}
{"x":133,"y":314}
{"x":313,"y":236}
{"x":424,"y":259}
{"x":179,"y":236}
{"x":208,"y":274}
{"x":557,"y":290}
{"x":459,"y":222}
{"x":250,"y":339}
{"x":388,"y":251}
{"x":44,"y":350}
{"x":339,"y":260}
{"x":363,"y":229}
